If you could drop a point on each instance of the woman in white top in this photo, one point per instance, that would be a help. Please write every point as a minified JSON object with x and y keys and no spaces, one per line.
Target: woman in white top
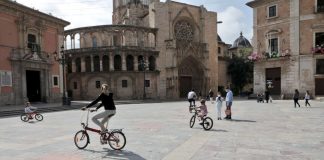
{"x":219,"y":102}
{"x":307,"y":97}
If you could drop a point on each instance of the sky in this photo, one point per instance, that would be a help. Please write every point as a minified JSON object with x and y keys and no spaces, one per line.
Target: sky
{"x":234,"y":14}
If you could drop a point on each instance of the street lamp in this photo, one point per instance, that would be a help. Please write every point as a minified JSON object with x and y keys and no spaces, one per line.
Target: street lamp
{"x":62,"y":60}
{"x":144,"y":66}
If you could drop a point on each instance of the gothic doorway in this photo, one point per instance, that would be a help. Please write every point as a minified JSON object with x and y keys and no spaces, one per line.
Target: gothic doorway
{"x":273,"y":75}
{"x":33,"y":85}
{"x":191,"y":76}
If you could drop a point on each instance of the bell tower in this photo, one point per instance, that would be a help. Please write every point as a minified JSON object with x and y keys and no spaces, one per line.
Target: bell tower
{"x":130,"y":12}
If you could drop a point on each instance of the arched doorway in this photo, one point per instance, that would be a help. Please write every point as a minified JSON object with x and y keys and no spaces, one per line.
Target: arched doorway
{"x":191,"y":76}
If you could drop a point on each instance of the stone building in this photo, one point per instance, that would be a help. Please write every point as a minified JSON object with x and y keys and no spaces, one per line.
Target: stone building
{"x":176,"y":42}
{"x":224,"y":79}
{"x":27,"y":40}
{"x":288,"y":41}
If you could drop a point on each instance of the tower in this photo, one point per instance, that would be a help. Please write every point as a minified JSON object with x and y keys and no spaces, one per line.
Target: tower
{"x":130,"y":12}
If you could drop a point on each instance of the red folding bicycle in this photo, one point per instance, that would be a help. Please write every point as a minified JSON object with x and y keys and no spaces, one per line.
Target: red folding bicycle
{"x":115,"y":138}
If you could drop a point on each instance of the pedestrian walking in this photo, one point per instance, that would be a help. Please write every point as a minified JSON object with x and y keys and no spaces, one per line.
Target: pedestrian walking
{"x":229,"y":101}
{"x":307,"y":98}
{"x":219,"y":103}
{"x":296,"y":97}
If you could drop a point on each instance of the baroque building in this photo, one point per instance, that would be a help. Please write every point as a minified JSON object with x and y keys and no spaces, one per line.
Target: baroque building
{"x":28,"y":38}
{"x":288,"y":46}
{"x":176,"y":42}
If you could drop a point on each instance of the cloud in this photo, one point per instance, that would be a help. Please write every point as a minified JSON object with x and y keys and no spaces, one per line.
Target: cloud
{"x":234,"y":21}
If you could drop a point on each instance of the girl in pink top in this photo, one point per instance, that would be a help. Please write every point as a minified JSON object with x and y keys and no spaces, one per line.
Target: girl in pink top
{"x":203,"y":109}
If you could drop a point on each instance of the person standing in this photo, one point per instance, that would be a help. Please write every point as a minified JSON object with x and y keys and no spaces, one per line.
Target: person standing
{"x":296,"y":97}
{"x":191,"y":97}
{"x":211,"y":95}
{"x":219,"y":102}
{"x":307,"y":98}
{"x":229,"y":101}
{"x":267,"y":95}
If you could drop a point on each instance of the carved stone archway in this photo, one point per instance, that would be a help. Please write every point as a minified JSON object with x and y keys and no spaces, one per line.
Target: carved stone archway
{"x":191,"y":76}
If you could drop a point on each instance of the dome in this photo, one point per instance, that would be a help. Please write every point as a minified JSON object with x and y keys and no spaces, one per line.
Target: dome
{"x":241,"y":42}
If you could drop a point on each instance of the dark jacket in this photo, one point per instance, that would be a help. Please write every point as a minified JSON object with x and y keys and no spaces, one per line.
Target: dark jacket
{"x":106,"y":101}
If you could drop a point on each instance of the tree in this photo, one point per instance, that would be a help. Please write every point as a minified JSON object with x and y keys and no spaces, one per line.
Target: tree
{"x":241,"y":71}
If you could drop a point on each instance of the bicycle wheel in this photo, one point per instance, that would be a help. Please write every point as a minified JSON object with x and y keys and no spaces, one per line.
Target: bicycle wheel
{"x":117,"y":140}
{"x":81,"y":139}
{"x":24,"y":117}
{"x":38,"y":117}
{"x":192,"y":121}
{"x":207,"y":123}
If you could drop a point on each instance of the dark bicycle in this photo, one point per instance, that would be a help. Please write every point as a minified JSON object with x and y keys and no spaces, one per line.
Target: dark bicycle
{"x":115,"y":138}
{"x":207,"y":122}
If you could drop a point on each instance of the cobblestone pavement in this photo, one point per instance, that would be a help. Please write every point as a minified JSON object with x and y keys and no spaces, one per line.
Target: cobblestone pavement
{"x":161,"y":131}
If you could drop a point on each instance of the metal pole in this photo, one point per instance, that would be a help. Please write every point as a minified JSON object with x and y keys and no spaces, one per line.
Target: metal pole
{"x":144,"y":95}
{"x":63,"y":67}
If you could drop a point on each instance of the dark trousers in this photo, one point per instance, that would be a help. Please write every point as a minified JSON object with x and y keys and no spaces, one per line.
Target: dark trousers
{"x":306,"y":102}
{"x":190,"y":101}
{"x":296,"y":102}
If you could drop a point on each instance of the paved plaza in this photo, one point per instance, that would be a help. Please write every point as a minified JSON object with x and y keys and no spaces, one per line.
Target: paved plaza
{"x":161,"y":131}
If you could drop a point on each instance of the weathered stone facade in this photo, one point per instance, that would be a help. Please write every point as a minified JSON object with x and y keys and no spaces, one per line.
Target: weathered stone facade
{"x":176,"y":40}
{"x":285,"y":33}
{"x":27,"y":40}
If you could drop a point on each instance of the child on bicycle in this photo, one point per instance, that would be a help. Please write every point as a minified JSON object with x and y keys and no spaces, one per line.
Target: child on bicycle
{"x":203,"y":109}
{"x":29,"y":110}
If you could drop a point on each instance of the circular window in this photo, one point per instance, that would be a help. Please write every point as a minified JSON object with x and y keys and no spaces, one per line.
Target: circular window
{"x":184,"y":31}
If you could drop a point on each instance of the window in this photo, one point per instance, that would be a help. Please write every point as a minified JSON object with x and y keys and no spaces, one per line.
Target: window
{"x":147,"y":83}
{"x":320,"y":66}
{"x":117,"y":63}
{"x":273,"y":44}
{"x":320,"y":6}
{"x":272,"y":11}
{"x":105,"y":63}
{"x":88,"y":64}
{"x":219,"y":50}
{"x":32,"y":43}
{"x":130,"y":63}
{"x":98,"y":84}
{"x":124,"y":83}
{"x":94,"y":42}
{"x":96,"y":63}
{"x":55,"y":81}
{"x":319,"y":42}
{"x":78,"y":64}
{"x":152,"y":63}
{"x":75,"y":85}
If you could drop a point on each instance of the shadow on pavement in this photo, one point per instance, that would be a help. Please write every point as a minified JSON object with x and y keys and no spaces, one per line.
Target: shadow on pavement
{"x":117,"y":154}
{"x":214,"y":130}
{"x":241,"y":120}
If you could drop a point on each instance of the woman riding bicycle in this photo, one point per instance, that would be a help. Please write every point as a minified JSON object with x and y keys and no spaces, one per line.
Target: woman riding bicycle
{"x":106,"y":98}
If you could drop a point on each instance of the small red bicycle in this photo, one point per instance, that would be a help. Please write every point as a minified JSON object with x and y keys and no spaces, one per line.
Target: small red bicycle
{"x":27,"y":116}
{"x":115,"y":138}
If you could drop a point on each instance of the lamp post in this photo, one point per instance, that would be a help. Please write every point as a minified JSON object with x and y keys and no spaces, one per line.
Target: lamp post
{"x":61,"y":58}
{"x":144,"y":66}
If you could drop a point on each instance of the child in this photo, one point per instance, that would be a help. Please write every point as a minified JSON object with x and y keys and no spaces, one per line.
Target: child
{"x":203,"y":109}
{"x":307,"y":98}
{"x":29,"y":110}
{"x":219,"y":105}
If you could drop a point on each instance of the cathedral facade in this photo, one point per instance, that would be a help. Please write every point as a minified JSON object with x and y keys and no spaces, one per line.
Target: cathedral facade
{"x":153,"y":49}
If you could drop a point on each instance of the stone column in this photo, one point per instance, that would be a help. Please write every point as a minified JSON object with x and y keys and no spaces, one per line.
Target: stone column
{"x":100,"y":62}
{"x":111,"y":62}
{"x":123,"y":57}
{"x":92,"y":65}
{"x":83,"y":67}
{"x":146,"y":62}
{"x":73,"y":66}
{"x":136,"y":63}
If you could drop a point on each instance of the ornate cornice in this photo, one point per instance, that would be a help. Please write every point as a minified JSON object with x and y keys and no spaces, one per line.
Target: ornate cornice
{"x":15,"y":8}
